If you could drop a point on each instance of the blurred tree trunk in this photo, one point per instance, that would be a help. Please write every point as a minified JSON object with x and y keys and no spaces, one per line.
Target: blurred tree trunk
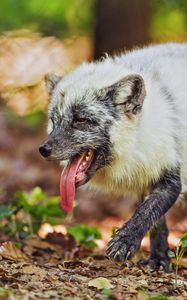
{"x":121,"y":24}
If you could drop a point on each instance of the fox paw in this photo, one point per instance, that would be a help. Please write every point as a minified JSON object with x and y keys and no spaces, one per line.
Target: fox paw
{"x":124,"y":245}
{"x":157,"y":263}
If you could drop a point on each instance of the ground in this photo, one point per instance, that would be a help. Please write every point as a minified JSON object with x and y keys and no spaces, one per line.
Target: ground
{"x":43,"y":270}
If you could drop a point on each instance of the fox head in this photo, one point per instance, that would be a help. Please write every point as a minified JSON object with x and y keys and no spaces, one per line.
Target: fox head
{"x":84,"y":109}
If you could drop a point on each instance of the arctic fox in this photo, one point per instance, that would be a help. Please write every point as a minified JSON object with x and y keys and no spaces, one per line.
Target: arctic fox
{"x":121,"y":123}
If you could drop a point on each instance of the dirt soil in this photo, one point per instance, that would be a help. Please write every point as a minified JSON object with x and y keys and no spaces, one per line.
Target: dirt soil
{"x":43,"y":270}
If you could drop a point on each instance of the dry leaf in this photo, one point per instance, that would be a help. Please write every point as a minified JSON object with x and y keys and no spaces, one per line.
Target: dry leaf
{"x":40,"y":244}
{"x":32,"y":269}
{"x":8,"y":250}
{"x":180,"y":283}
{"x":100,"y":283}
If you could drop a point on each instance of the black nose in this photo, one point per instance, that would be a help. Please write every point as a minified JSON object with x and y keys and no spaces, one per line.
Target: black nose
{"x":45,"y":150}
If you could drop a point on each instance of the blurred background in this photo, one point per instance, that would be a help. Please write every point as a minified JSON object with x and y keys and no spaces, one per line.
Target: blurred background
{"x":39,"y":37}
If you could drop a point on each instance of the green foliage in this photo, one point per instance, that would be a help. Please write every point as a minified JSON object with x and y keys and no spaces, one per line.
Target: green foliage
{"x":178,"y":254}
{"x":181,"y":248}
{"x":158,"y":297}
{"x":4,"y":292}
{"x":57,"y":17}
{"x":184,"y":241}
{"x":106,"y":293}
{"x":33,"y":119}
{"x":85,"y":235}
{"x":6,"y":211}
{"x":169,"y":20}
{"x":23,"y":217}
{"x":171,"y":253}
{"x":114,"y":231}
{"x":42,"y":207}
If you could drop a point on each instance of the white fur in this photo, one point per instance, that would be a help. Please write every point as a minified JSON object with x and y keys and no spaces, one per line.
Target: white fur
{"x":157,"y":139}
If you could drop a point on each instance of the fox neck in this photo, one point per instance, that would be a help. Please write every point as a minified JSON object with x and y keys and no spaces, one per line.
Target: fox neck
{"x":142,"y":151}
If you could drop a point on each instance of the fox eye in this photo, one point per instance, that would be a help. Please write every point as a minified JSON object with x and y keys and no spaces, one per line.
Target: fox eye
{"x":81,"y":120}
{"x":78,"y":121}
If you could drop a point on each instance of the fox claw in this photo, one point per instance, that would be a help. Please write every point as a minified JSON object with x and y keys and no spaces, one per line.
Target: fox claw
{"x":124,"y":245}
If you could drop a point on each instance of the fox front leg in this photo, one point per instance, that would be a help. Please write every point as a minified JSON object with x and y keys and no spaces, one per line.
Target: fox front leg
{"x":128,"y":239}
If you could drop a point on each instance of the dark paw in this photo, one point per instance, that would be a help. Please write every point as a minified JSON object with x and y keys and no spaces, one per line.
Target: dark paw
{"x":157,"y":263}
{"x":124,"y":245}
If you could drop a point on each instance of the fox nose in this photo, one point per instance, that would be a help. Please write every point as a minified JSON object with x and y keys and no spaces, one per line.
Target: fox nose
{"x":45,"y":150}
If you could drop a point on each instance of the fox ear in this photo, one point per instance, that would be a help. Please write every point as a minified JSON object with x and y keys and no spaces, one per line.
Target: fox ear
{"x":51,"y":81}
{"x":129,"y":94}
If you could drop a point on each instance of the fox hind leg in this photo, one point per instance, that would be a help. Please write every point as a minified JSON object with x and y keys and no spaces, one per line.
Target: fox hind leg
{"x":158,"y":246}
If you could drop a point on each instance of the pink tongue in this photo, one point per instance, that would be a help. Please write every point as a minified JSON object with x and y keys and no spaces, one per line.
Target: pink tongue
{"x":67,"y":183}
